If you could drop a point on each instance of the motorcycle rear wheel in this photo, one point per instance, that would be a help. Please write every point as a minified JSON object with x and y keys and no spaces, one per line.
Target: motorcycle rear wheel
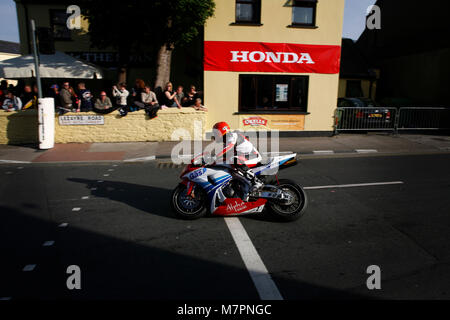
{"x":296,"y":208}
{"x":186,"y":207}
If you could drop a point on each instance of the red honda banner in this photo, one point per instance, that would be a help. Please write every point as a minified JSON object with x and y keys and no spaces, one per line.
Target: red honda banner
{"x":271,"y":57}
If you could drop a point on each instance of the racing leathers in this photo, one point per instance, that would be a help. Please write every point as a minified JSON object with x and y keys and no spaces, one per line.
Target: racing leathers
{"x":240,"y":152}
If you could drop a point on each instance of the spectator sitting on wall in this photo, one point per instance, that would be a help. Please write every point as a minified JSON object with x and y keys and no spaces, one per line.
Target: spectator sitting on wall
{"x":191,"y":96}
{"x":139,"y":87}
{"x":27,"y":97}
{"x":54,"y":93}
{"x":198,"y":105}
{"x":85,"y":101}
{"x":4,"y":85}
{"x":103,"y":103}
{"x":121,"y":95}
{"x":12,"y":103}
{"x":170,"y":101}
{"x":180,"y":95}
{"x":148,"y":98}
{"x":65,"y":96}
{"x":75,"y":100}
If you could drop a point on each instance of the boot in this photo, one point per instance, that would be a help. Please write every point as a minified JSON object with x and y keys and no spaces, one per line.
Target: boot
{"x":256,"y":183}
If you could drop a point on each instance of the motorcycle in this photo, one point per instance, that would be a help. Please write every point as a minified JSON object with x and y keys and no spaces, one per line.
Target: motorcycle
{"x":219,"y":189}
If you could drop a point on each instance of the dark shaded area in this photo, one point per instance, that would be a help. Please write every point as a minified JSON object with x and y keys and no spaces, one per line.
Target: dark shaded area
{"x":141,"y":197}
{"x":116,"y":269}
{"x":22,"y":127}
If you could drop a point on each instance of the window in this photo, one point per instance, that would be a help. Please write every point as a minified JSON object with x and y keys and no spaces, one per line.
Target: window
{"x":272,"y":93}
{"x":58,"y":25}
{"x":353,"y":89}
{"x":304,"y":12}
{"x":248,"y":11}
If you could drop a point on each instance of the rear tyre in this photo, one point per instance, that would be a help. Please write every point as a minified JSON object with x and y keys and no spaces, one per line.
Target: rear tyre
{"x":295,"y":208}
{"x":186,"y":207}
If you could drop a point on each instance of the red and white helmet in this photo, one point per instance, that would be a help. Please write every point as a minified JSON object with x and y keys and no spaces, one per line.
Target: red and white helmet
{"x":220,"y":129}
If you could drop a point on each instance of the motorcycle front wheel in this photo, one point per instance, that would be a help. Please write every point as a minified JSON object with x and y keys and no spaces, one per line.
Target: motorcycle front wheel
{"x":295,"y":207}
{"x":187,"y":207}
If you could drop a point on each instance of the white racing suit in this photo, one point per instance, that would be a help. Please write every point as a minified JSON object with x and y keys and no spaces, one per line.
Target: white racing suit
{"x":240,"y":153}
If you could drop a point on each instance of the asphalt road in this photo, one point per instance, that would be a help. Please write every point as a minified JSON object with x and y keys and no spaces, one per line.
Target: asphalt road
{"x":123,"y":236}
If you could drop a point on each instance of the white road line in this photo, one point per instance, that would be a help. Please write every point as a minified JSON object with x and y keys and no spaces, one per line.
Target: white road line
{"x":353,"y":185}
{"x":5,"y":298}
{"x":29,"y":267}
{"x":110,"y":169}
{"x":93,"y":189}
{"x":140,"y":159}
{"x":48,"y":243}
{"x":264,"y":284}
{"x":106,"y":175}
{"x":76,"y":209}
{"x":63,"y":225}
{"x":13,"y":161}
{"x":366,"y":150}
{"x":8,"y":172}
{"x":85,"y":197}
{"x":100,"y":181}
{"x":279,"y":152}
{"x":323,"y":151}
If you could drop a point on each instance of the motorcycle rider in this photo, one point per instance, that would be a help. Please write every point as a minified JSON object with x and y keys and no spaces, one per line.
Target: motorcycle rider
{"x":238,"y":151}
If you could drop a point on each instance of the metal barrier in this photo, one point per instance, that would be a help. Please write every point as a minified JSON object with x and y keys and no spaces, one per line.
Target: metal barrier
{"x":367,"y":119}
{"x":391,"y":119}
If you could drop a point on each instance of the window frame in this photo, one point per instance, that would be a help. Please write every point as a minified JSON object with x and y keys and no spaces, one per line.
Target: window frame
{"x":52,"y":13}
{"x":257,"y":9}
{"x":282,"y":78}
{"x":304,"y":4}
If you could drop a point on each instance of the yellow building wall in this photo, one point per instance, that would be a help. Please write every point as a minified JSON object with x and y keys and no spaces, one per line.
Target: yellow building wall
{"x":222,"y":88}
{"x":22,"y":127}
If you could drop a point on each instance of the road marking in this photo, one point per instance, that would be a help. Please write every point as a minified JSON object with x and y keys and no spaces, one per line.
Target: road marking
{"x":29,"y":267}
{"x":85,"y":197}
{"x":323,"y":151}
{"x":76,"y":209}
{"x":106,"y":175}
{"x":366,"y":150}
{"x":14,"y":161}
{"x":48,"y":243}
{"x":264,"y":284}
{"x":100,"y":181}
{"x":5,"y":298}
{"x":93,"y":189}
{"x":110,"y":169}
{"x":278,"y":152}
{"x":353,"y":185}
{"x":140,"y":159}
{"x":19,"y":168}
{"x":63,"y":225}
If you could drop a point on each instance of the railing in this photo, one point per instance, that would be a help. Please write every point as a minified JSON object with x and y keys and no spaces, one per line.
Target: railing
{"x":391,"y":119}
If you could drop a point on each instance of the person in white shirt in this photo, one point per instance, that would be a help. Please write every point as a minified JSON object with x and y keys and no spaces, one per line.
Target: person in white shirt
{"x":121,"y":95}
{"x":12,"y":103}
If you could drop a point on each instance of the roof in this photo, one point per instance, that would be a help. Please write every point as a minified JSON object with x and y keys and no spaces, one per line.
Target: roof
{"x":9,"y":47}
{"x":353,"y":62}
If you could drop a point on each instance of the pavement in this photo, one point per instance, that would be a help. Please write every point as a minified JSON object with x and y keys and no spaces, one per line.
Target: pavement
{"x":340,"y":145}
{"x":113,"y":220}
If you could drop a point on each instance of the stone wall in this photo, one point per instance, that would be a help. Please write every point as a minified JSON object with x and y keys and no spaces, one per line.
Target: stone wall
{"x":22,"y":127}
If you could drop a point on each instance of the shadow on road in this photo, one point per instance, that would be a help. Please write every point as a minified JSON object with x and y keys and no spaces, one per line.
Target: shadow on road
{"x":145,"y":198}
{"x":113,"y":268}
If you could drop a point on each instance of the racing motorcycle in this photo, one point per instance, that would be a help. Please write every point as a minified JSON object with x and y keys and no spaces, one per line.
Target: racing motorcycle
{"x":220,"y":189}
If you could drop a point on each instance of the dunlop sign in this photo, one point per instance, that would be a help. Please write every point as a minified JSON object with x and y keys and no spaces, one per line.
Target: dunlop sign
{"x":81,"y":120}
